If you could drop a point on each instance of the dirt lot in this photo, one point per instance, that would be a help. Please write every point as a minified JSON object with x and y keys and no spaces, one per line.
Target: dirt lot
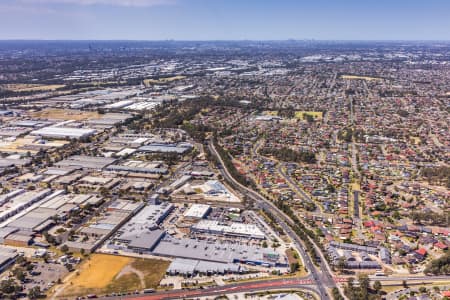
{"x":65,"y":114}
{"x":105,"y":274}
{"x":19,"y":87}
{"x":359,"y":77}
{"x":19,"y":143}
{"x":148,"y":82}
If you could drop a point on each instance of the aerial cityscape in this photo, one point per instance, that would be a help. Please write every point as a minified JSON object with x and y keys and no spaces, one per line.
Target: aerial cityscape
{"x":222,"y":169}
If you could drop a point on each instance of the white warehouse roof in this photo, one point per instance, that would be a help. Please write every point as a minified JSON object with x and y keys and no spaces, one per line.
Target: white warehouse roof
{"x":236,"y":229}
{"x":63,"y":132}
{"x":198,"y":211}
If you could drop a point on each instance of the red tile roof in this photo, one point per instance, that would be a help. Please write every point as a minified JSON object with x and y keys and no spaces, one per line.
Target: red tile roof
{"x":441,"y":246}
{"x":422,"y":251}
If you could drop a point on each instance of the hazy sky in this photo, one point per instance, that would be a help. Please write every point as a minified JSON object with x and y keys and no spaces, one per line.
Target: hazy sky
{"x":225,"y":19}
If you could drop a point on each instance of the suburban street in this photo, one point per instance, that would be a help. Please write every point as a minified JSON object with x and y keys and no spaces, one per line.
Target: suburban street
{"x":322,"y":279}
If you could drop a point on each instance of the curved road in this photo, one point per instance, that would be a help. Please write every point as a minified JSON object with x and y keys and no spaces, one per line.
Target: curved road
{"x":321,"y":279}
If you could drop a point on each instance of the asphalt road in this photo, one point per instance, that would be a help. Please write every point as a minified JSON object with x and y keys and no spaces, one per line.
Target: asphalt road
{"x":246,"y":287}
{"x":321,"y":279}
{"x":300,"y":191}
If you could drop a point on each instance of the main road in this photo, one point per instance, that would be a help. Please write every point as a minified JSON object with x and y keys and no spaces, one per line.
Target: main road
{"x":249,"y":287}
{"x":321,"y":279}
{"x":243,"y":287}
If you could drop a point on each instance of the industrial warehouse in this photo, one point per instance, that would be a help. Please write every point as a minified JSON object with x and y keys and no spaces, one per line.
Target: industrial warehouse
{"x":232,"y":229}
{"x":217,"y":252}
{"x":64,"y":132}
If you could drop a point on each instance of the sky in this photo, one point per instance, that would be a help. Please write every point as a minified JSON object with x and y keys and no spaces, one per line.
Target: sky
{"x":225,"y":19}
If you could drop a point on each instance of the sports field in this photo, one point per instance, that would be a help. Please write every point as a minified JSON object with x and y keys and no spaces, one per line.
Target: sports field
{"x":317,"y":115}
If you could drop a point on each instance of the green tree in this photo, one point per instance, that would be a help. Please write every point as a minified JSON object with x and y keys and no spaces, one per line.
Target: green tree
{"x":19,"y":274}
{"x":8,"y":286}
{"x":294,"y":267}
{"x":377,"y":286}
{"x":336,"y":294}
{"x":69,"y":267}
{"x":341,"y":264}
{"x":34,"y":292}
{"x":64,"y":248}
{"x":364,"y":285}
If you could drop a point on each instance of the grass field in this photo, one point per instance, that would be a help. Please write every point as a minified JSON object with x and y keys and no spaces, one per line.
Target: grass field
{"x":355,"y":77}
{"x":416,"y":140}
{"x":19,"y":145}
{"x":317,"y":115}
{"x":270,"y":113}
{"x":152,"y":269}
{"x":356,"y":186}
{"x":105,"y":273}
{"x":293,"y":256}
{"x":65,"y":114}
{"x":162,"y":80}
{"x":22,"y":87}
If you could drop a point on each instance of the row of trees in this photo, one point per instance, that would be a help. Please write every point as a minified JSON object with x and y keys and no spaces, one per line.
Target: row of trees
{"x":362,"y":290}
{"x":439,"y":175}
{"x":9,"y":288}
{"x":336,"y":294}
{"x":197,"y":132}
{"x":173,"y":114}
{"x":287,"y":154}
{"x":346,"y":134}
{"x":242,"y":179}
{"x":431,"y":218}
{"x":301,"y":231}
{"x":440,"y":266}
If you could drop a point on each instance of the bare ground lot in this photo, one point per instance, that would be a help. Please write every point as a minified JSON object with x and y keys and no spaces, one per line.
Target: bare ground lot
{"x":105,"y":274}
{"x":23,"y":87}
{"x":65,"y":114}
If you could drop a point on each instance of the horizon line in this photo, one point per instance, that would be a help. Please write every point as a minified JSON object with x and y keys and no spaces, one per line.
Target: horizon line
{"x":222,"y":40}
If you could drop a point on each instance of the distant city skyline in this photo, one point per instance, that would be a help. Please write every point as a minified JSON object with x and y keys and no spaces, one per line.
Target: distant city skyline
{"x":224,"y":19}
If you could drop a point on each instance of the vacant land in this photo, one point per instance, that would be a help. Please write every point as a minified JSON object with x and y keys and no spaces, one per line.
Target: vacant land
{"x":153,"y":270}
{"x":100,"y":270}
{"x":270,"y":113}
{"x":359,"y":77}
{"x":105,"y":273}
{"x":292,"y":256}
{"x":317,"y":115}
{"x":416,"y":140}
{"x":21,"y":87}
{"x":162,"y":80}
{"x":20,"y":145}
{"x":65,"y":114}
